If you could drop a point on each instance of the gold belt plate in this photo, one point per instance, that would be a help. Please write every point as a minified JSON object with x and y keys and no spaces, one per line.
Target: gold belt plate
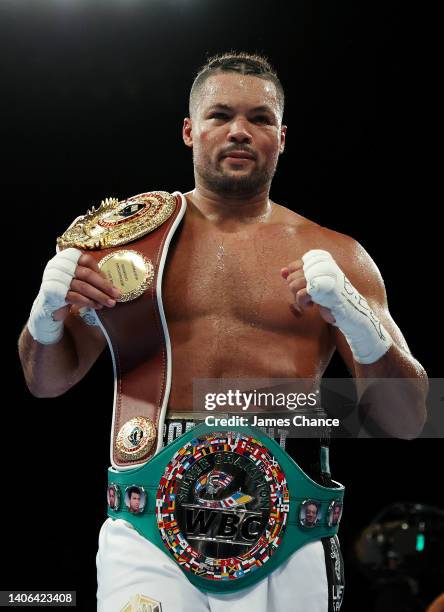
{"x":115,"y":223}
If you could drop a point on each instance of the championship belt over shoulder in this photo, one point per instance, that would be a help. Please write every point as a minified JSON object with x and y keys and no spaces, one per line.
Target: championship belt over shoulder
{"x":130,"y":239}
{"x":228,"y":506}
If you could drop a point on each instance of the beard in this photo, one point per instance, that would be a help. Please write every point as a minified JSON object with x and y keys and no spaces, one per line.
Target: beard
{"x":233,"y":183}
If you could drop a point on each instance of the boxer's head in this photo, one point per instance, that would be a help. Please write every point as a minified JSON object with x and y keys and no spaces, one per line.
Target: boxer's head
{"x":134,"y":499}
{"x":240,"y":63}
{"x":311,"y":513}
{"x":111,"y":497}
{"x":236,"y":107}
{"x":336,"y":515}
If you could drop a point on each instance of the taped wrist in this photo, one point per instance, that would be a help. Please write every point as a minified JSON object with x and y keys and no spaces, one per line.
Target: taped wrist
{"x":41,"y":325}
{"x":56,"y":282}
{"x":328,"y":286}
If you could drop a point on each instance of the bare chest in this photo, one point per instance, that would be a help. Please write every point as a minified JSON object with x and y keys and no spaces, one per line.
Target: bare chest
{"x":235,"y":276}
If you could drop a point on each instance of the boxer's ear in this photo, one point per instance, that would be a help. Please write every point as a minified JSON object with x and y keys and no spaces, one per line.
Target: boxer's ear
{"x":187,"y":132}
{"x":283,"y":136}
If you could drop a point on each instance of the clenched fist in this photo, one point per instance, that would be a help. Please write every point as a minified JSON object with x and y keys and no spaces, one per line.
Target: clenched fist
{"x":317,"y":279}
{"x":70,"y":278}
{"x":310,"y":283}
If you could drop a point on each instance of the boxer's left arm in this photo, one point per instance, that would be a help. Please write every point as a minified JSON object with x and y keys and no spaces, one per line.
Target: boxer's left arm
{"x":397,"y":406}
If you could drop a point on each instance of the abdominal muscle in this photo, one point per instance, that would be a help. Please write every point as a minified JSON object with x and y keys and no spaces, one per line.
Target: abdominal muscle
{"x":218,"y":349}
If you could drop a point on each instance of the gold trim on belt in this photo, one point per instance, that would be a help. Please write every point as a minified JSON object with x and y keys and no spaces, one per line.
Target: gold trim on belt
{"x":115,"y":223}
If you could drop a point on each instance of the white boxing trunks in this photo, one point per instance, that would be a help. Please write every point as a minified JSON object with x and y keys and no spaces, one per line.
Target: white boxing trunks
{"x":129,"y":565}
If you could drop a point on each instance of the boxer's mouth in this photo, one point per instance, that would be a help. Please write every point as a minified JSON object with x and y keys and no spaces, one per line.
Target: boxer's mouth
{"x":238,"y":155}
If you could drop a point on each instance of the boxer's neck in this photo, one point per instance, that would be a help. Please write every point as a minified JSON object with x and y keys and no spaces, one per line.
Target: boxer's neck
{"x":220,"y":209}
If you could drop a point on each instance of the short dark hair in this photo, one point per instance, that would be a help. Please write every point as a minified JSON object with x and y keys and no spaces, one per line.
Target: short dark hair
{"x":242,"y":63}
{"x":312,"y":503}
{"x":132,"y":490}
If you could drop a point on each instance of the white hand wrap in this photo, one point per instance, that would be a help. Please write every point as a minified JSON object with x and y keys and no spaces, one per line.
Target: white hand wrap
{"x":89,"y":316}
{"x":56,"y":282}
{"x":328,"y":286}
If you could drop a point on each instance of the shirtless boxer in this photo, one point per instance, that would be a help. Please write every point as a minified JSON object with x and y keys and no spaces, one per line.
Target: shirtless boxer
{"x":251,"y":289}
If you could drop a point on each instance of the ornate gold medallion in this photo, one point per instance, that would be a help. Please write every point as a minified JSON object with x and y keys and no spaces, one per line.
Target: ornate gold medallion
{"x":115,"y":223}
{"x":136,"y":438}
{"x":129,"y":271}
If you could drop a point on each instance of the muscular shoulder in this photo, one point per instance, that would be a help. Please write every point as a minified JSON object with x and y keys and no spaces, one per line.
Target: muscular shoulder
{"x":348,"y":253}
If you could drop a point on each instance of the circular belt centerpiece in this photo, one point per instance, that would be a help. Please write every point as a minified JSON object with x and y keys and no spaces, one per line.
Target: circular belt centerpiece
{"x":222,"y":505}
{"x":128,"y":270}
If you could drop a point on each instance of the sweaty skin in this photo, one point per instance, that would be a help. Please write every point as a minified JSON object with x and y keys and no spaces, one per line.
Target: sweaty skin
{"x":233,"y":290}
{"x":235,"y":316}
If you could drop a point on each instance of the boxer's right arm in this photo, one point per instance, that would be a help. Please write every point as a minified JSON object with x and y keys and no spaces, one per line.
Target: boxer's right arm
{"x":57,"y":348}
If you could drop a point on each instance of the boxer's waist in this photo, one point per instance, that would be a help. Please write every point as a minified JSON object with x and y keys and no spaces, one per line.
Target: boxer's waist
{"x":229,"y":505}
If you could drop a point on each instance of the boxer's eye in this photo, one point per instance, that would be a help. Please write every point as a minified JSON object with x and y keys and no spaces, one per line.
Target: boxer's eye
{"x":261,"y":119}
{"x":222,"y":116}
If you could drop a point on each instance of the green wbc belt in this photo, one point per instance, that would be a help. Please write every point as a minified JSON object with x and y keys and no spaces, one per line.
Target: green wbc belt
{"x":229,"y":506}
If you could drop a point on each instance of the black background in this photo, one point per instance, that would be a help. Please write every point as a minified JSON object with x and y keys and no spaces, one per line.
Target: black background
{"x":94,"y":94}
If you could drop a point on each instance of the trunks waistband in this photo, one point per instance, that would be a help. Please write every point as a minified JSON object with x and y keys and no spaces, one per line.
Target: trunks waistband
{"x":179,"y":423}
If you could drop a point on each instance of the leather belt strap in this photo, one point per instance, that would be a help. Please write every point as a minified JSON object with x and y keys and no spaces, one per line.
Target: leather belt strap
{"x":137,"y":335}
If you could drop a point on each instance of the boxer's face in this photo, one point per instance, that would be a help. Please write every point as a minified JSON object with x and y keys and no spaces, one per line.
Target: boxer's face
{"x":336,"y":513}
{"x":310,"y":514}
{"x":112,"y":498}
{"x":134,"y":502}
{"x":236,"y":114}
